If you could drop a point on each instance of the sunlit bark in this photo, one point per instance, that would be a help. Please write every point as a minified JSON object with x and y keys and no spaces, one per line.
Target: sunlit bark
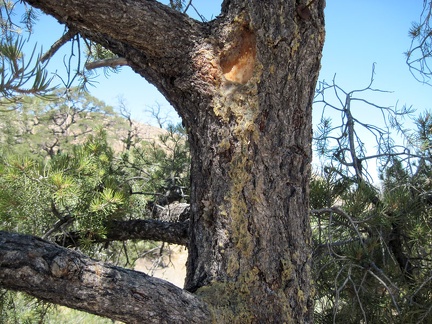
{"x":244,"y":85}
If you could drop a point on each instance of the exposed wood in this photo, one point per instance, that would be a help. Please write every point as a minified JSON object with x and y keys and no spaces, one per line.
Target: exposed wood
{"x":244,"y":85}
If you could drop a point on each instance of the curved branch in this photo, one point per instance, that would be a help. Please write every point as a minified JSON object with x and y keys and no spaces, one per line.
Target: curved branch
{"x":69,"y":278}
{"x":147,"y":25}
{"x":167,"y":48}
{"x":59,"y":43}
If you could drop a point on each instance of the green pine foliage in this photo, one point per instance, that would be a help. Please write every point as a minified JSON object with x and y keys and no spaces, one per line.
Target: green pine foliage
{"x":22,"y":73}
{"x":39,"y":127}
{"x":82,"y":178}
{"x":71,"y":166}
{"x":373,"y":242}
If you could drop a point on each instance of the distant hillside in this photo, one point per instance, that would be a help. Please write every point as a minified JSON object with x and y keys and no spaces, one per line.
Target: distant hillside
{"x":140,"y":132}
{"x":43,"y":127}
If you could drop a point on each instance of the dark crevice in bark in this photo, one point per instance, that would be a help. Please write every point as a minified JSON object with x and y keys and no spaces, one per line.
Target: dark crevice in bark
{"x":249,"y":132}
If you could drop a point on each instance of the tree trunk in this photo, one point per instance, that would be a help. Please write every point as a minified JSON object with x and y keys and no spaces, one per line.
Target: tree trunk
{"x":249,"y":250}
{"x":244,"y":85}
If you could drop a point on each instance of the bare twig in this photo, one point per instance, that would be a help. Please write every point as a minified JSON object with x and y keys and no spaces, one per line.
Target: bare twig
{"x":387,"y":288}
{"x":65,"y":220}
{"x":111,"y":63}
{"x":70,"y":34}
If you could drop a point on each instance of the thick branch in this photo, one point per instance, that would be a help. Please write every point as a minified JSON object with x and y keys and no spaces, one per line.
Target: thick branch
{"x":170,"y":232}
{"x":147,"y":25}
{"x":396,"y":247}
{"x":66,"y":277}
{"x":166,"y":47}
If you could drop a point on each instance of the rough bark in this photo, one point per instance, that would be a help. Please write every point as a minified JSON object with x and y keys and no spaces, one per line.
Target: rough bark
{"x":244,"y":85}
{"x":69,"y":278}
{"x":175,"y":212}
{"x":139,"y":229}
{"x":249,"y":251}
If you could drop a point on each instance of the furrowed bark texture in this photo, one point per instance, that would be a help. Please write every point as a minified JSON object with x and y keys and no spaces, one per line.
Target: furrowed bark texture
{"x":139,"y":229}
{"x":69,"y":278}
{"x":244,"y":85}
{"x":249,"y":251}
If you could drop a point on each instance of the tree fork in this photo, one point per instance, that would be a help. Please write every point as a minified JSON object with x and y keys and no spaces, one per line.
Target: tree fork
{"x":243,"y":84}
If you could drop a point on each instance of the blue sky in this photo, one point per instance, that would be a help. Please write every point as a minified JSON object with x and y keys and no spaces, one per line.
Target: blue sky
{"x":359,"y":33}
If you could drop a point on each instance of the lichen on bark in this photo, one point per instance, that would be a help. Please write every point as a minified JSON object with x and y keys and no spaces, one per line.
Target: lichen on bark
{"x":243,"y":84}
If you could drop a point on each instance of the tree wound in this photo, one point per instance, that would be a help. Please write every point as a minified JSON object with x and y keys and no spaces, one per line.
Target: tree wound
{"x":238,"y":62}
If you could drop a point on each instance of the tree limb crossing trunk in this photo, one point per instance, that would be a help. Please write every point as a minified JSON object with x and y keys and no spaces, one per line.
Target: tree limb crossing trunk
{"x":243,"y":84}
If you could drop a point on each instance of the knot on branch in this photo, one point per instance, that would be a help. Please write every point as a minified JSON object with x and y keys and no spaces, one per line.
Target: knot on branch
{"x":63,"y":266}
